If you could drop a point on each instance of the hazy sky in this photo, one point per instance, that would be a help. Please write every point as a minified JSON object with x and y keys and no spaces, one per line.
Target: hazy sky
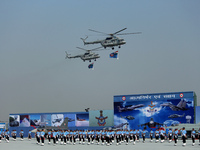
{"x":34,"y":35}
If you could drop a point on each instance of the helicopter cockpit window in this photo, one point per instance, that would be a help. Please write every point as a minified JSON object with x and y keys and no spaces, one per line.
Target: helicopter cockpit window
{"x":108,"y":38}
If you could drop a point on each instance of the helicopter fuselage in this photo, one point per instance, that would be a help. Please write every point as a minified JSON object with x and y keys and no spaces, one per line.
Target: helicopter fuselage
{"x":112,"y":41}
{"x":90,"y":56}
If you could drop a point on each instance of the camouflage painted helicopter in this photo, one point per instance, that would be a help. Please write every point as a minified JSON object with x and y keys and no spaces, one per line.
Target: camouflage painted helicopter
{"x":88,"y":55}
{"x":110,"y":41}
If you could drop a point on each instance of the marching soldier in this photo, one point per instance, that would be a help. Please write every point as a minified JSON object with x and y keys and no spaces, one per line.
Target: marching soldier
{"x":71,"y":136}
{"x":131,"y":135}
{"x":175,"y":137}
{"x":37,"y":135}
{"x":21,"y":134}
{"x":143,"y":135}
{"x":83,"y":137}
{"x":14,"y":134}
{"x":7,"y":135}
{"x":102,"y":137}
{"x":88,"y":136}
{"x":151,"y":135}
{"x":193,"y":135}
{"x":108,"y":138}
{"x":92,"y":136}
{"x":170,"y":135}
{"x":49,"y":136}
{"x":74,"y":134}
{"x":61,"y":136}
{"x":42,"y":133}
{"x":54,"y":137}
{"x":98,"y":133}
{"x":138,"y":135}
{"x":126,"y":136}
{"x":162,"y":135}
{"x":184,"y":136}
{"x":134,"y":136}
{"x":65,"y":136}
{"x":29,"y":135}
{"x":117,"y":135}
{"x":80,"y":134}
{"x":157,"y":133}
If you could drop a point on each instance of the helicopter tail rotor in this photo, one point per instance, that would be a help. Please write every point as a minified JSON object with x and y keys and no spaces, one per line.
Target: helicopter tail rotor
{"x":83,"y":39}
{"x":67,"y":55}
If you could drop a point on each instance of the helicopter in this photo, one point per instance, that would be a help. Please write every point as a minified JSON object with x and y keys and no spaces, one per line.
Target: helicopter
{"x":110,"y":41}
{"x":88,"y":55}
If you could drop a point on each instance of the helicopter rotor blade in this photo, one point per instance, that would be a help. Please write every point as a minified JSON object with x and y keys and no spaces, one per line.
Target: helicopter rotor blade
{"x":82,"y":48}
{"x":96,"y":49}
{"x":119,"y":31}
{"x":97,"y":31}
{"x":129,"y":33}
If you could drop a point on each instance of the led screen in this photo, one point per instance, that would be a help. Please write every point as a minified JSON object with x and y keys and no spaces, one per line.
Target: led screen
{"x":151,"y":111}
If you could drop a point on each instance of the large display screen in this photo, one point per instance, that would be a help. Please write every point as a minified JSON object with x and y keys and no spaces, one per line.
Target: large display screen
{"x":151,"y":111}
{"x":77,"y":119}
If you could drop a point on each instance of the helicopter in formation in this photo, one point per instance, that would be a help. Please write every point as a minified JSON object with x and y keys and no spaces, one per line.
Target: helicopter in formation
{"x":110,"y":41}
{"x":88,"y":55}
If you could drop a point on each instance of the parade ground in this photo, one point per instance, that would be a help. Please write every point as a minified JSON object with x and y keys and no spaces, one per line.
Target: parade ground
{"x":31,"y":145}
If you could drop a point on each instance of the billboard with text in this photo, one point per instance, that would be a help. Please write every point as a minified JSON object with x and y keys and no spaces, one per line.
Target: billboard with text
{"x":151,"y":111}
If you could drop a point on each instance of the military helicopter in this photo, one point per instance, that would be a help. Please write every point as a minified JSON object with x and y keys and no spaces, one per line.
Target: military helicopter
{"x":88,"y":55}
{"x":110,"y":41}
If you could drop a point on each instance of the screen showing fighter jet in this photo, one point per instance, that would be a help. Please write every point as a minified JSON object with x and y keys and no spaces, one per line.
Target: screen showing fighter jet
{"x":152,"y":111}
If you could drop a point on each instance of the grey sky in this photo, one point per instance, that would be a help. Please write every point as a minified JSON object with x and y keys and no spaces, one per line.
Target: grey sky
{"x":34,"y":35}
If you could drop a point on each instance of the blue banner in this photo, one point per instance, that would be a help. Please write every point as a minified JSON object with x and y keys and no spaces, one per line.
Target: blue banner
{"x":151,"y":111}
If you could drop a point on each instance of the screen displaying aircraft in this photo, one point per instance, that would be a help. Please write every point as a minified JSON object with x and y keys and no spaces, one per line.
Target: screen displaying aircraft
{"x":176,"y":116}
{"x":151,"y":124}
{"x":129,"y":108}
{"x":181,"y":105}
{"x":153,"y":111}
{"x":128,"y":117}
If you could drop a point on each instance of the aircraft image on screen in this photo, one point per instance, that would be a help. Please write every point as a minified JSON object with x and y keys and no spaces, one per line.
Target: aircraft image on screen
{"x":70,"y":119}
{"x":110,"y":41}
{"x":128,"y":117}
{"x":35,"y":122}
{"x":176,"y":116}
{"x":169,"y":123}
{"x":57,"y":120}
{"x":120,"y":126}
{"x":180,"y":106}
{"x":63,"y":126}
{"x":151,"y":124}
{"x":14,"y":121}
{"x":88,"y":55}
{"x":78,"y":119}
{"x":129,"y":108}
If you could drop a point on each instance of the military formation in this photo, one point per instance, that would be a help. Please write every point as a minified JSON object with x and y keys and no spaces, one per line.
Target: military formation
{"x":103,"y":137}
